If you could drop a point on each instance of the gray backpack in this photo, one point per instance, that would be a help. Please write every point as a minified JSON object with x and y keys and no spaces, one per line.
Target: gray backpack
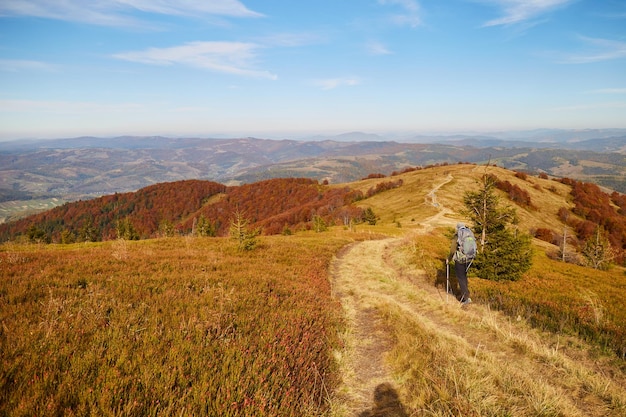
{"x":466,"y":251}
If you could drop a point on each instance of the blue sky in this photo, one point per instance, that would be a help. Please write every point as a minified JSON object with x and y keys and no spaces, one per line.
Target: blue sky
{"x":288,"y":68}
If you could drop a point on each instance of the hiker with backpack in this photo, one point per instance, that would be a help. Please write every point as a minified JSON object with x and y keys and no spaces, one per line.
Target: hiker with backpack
{"x":462,"y":252}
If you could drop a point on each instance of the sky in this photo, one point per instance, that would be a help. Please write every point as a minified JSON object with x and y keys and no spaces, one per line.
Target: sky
{"x":289,"y":68}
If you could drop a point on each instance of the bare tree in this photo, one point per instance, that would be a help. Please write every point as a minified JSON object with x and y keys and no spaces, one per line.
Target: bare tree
{"x":598,"y":251}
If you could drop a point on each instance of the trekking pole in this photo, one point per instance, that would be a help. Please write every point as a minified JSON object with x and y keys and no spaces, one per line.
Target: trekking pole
{"x":447,"y":280}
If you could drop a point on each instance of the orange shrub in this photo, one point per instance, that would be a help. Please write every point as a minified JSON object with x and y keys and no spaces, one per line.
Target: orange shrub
{"x":167,"y":327}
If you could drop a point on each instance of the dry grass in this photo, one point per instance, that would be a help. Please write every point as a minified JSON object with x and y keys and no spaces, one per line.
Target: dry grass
{"x":410,"y":205}
{"x":453,"y":361}
{"x":191,"y":326}
{"x":444,"y":360}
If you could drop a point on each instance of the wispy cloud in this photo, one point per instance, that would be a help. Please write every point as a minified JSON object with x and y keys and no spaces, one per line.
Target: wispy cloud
{"x":226,"y":57}
{"x":591,"y":106}
{"x":377,"y":48}
{"x":609,"y":91}
{"x":332,"y":83}
{"x":410,"y":14}
{"x":291,"y":39}
{"x":518,"y":11}
{"x":597,"y":50}
{"x":116,"y":12}
{"x":18,"y":65}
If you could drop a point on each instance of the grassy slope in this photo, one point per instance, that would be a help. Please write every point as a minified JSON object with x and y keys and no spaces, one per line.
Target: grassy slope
{"x":553,"y":295}
{"x":184,"y":326}
{"x":49,"y":356}
{"x":407,"y":338}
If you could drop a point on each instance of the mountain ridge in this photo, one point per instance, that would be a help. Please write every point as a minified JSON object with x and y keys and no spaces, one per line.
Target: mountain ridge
{"x":82,"y":168}
{"x":546,"y":206}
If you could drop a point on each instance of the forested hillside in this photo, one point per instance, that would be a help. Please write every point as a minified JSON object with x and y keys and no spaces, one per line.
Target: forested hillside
{"x":180,"y":207}
{"x":553,"y":210}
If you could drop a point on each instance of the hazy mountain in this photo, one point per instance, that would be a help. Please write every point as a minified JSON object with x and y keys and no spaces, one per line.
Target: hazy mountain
{"x":86,"y":167}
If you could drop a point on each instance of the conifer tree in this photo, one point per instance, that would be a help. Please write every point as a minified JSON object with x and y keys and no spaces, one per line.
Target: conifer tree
{"x":240,"y":231}
{"x":67,"y":237}
{"x":319,"y":225}
{"x":504,"y":253}
{"x":126,"y":230}
{"x":370,"y":217}
{"x":37,"y":235}
{"x":88,"y":232}
{"x":204,"y":227}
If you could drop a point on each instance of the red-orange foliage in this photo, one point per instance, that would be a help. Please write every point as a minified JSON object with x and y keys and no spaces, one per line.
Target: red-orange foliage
{"x":145,"y":209}
{"x":516,"y":193}
{"x":384,"y":186}
{"x":277,"y":203}
{"x":595,"y":208}
{"x":271,"y":205}
{"x":547,"y":235}
{"x":521,"y":175}
{"x":375,"y":176}
{"x":620,"y":201}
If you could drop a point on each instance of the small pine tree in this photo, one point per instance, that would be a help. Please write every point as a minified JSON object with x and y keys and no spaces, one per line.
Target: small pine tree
{"x":204,"y":227}
{"x":319,"y":225}
{"x":126,"y":230}
{"x":166,"y":228}
{"x":67,"y":237}
{"x":239,"y":231}
{"x":369,"y":216}
{"x":88,"y":232}
{"x":37,"y":235}
{"x":503,"y":254}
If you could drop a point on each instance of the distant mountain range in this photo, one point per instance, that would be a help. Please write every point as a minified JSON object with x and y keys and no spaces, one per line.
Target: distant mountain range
{"x":87,"y":167}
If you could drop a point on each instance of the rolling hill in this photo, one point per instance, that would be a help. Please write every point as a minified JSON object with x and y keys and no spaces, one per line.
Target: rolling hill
{"x":546,"y":207}
{"x":37,"y":173}
{"x":310,"y":323}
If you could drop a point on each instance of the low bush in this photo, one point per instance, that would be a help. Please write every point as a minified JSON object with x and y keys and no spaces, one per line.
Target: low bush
{"x":175,"y":326}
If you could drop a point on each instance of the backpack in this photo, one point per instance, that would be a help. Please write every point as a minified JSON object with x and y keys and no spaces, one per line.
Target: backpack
{"x":466,"y":250}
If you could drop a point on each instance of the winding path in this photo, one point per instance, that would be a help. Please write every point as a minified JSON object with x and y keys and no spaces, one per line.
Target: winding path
{"x":367,"y":276}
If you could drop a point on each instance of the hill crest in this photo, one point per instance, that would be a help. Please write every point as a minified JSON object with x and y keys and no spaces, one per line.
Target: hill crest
{"x":545,"y":207}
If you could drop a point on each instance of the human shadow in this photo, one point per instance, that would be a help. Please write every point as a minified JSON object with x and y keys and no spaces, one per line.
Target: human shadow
{"x":386,"y":403}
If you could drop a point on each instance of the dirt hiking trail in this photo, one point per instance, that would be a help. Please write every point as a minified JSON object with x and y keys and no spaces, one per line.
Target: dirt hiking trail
{"x":527,"y":371}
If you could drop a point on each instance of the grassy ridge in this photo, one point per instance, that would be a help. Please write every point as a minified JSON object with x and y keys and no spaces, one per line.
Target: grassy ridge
{"x":166,"y":327}
{"x":553,"y":295}
{"x":564,"y":297}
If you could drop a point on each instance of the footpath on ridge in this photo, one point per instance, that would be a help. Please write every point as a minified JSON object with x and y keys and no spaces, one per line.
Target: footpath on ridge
{"x":369,"y":276}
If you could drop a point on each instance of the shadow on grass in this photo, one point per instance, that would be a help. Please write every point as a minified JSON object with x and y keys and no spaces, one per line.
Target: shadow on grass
{"x":386,"y":403}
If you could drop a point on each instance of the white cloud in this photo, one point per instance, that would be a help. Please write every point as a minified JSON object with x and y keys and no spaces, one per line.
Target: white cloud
{"x":410,"y":15}
{"x":18,"y":65}
{"x":226,"y":57}
{"x":291,"y":39}
{"x":378,"y":48}
{"x":609,"y":91}
{"x":186,"y":7}
{"x":112,"y":12}
{"x":517,"y":11}
{"x":332,"y":83}
{"x":600,"y":50}
{"x":409,"y":5}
